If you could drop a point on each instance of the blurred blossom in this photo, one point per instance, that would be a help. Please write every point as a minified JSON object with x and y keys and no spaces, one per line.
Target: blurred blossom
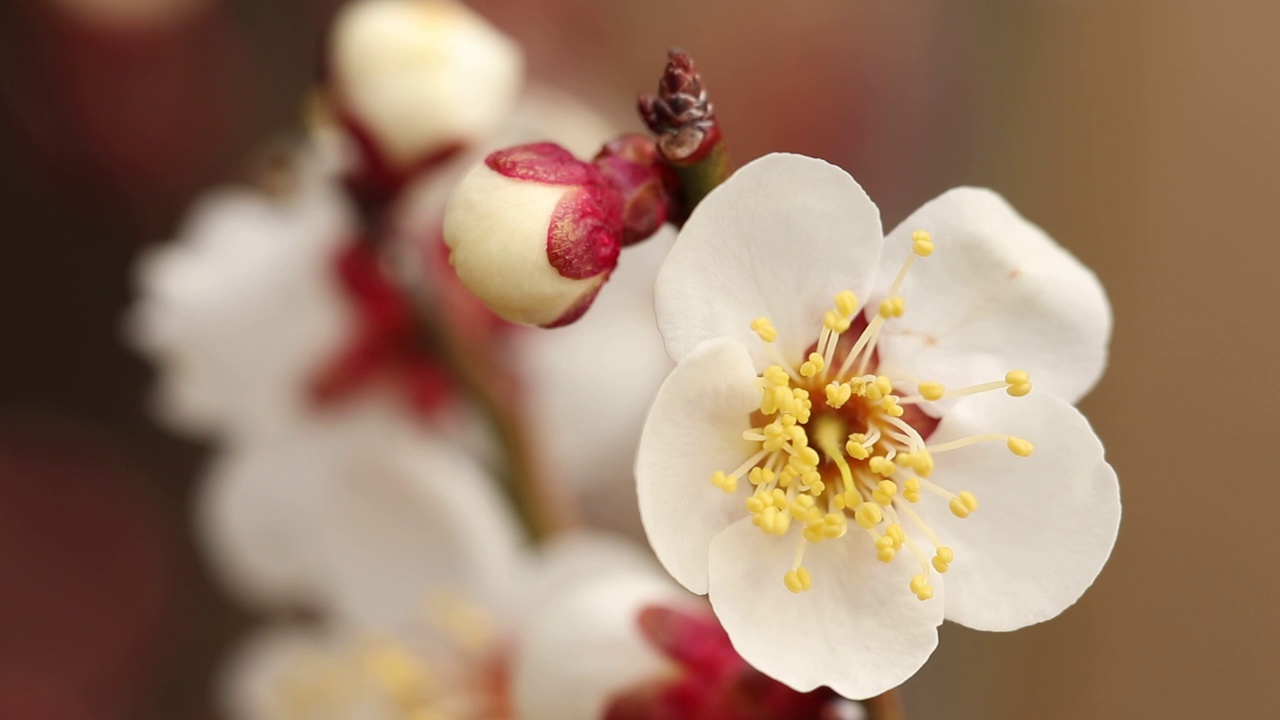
{"x":430,"y":593}
{"x":244,"y":303}
{"x":414,"y":556}
{"x":415,"y":79}
{"x":836,"y":468}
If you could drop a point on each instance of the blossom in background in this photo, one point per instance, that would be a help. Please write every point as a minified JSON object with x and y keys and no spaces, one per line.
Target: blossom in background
{"x":415,"y":79}
{"x":412,"y":556}
{"x":851,"y":419}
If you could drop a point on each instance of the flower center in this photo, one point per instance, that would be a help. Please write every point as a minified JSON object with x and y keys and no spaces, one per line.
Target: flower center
{"x":838,"y":448}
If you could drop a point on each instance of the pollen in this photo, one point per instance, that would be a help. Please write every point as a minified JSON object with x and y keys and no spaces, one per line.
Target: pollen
{"x":836,"y":451}
{"x":922,"y":243}
{"x":892,"y":307}
{"x":931,"y":391}
{"x":1020,"y":447}
{"x":764,"y":329}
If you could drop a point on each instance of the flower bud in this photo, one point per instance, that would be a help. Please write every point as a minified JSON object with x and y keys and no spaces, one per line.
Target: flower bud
{"x":632,"y":166}
{"x":417,"y":77}
{"x":534,"y":233}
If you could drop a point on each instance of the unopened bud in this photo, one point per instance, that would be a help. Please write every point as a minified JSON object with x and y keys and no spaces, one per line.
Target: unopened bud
{"x":416,"y":77}
{"x":631,"y":164}
{"x":534,"y":233}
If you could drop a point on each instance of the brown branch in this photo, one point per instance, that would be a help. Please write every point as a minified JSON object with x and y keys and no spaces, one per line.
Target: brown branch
{"x":886,"y":706}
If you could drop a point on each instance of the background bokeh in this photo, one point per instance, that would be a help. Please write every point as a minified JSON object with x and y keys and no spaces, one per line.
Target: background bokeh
{"x":1142,"y":135}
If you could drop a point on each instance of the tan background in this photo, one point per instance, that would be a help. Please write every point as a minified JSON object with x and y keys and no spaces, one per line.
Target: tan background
{"x":1145,"y":136}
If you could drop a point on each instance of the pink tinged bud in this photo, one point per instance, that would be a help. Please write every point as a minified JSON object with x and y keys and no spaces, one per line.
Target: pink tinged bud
{"x":534,"y":233}
{"x":416,"y":77}
{"x":631,"y":164}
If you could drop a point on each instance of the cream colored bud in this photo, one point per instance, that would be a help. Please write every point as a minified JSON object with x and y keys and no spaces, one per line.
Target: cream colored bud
{"x":419,"y":76}
{"x":533,"y":233}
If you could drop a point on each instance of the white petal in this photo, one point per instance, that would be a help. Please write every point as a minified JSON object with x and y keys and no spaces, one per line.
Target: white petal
{"x":1045,"y":524}
{"x":859,"y":630}
{"x":583,"y":645}
{"x":695,"y":429}
{"x":997,"y":294}
{"x":258,"y":514}
{"x":255,"y":674}
{"x":778,"y":239}
{"x":582,"y":555}
{"x":237,"y":310}
{"x":591,"y":383}
{"x":414,"y":519}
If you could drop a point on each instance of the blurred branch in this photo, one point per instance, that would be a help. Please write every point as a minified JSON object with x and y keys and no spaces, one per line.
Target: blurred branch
{"x":886,"y":706}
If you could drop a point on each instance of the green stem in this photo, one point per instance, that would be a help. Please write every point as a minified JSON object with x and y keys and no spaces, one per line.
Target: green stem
{"x":699,"y":179}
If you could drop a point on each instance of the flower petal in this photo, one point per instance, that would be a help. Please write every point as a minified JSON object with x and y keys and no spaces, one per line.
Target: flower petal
{"x":414,"y":518}
{"x":998,"y":294}
{"x":237,"y":309}
{"x":778,"y":239}
{"x":1045,"y":524}
{"x":859,"y":630}
{"x":257,"y":513}
{"x":694,"y":429}
{"x":253,"y":681}
{"x":583,"y":644}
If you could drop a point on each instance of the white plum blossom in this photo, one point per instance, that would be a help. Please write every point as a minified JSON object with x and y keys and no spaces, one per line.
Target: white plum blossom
{"x":437,"y":609}
{"x":851,"y":421}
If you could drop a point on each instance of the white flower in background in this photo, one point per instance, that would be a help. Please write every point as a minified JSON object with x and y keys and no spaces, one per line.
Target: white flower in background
{"x":237,"y":309}
{"x":591,"y":383}
{"x":581,"y":644}
{"x":277,"y":513}
{"x":422,"y":76}
{"x":413,"y":557}
{"x":849,"y":423}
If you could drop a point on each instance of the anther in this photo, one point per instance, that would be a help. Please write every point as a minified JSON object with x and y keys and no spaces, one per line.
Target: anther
{"x":1020,"y":447}
{"x":920,"y":586}
{"x":764,"y":329}
{"x":1019,"y":383}
{"x":931,"y":391}
{"x":885,"y":492}
{"x":868,"y":515}
{"x":881,"y":466}
{"x":814,"y":365}
{"x":892,"y":307}
{"x":798,"y":580}
{"x":963,"y":504}
{"x":942,"y":559}
{"x":728,"y":483}
{"x":911,"y":490}
{"x":838,"y":394}
{"x":846,"y":303}
{"x":922,"y":243}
